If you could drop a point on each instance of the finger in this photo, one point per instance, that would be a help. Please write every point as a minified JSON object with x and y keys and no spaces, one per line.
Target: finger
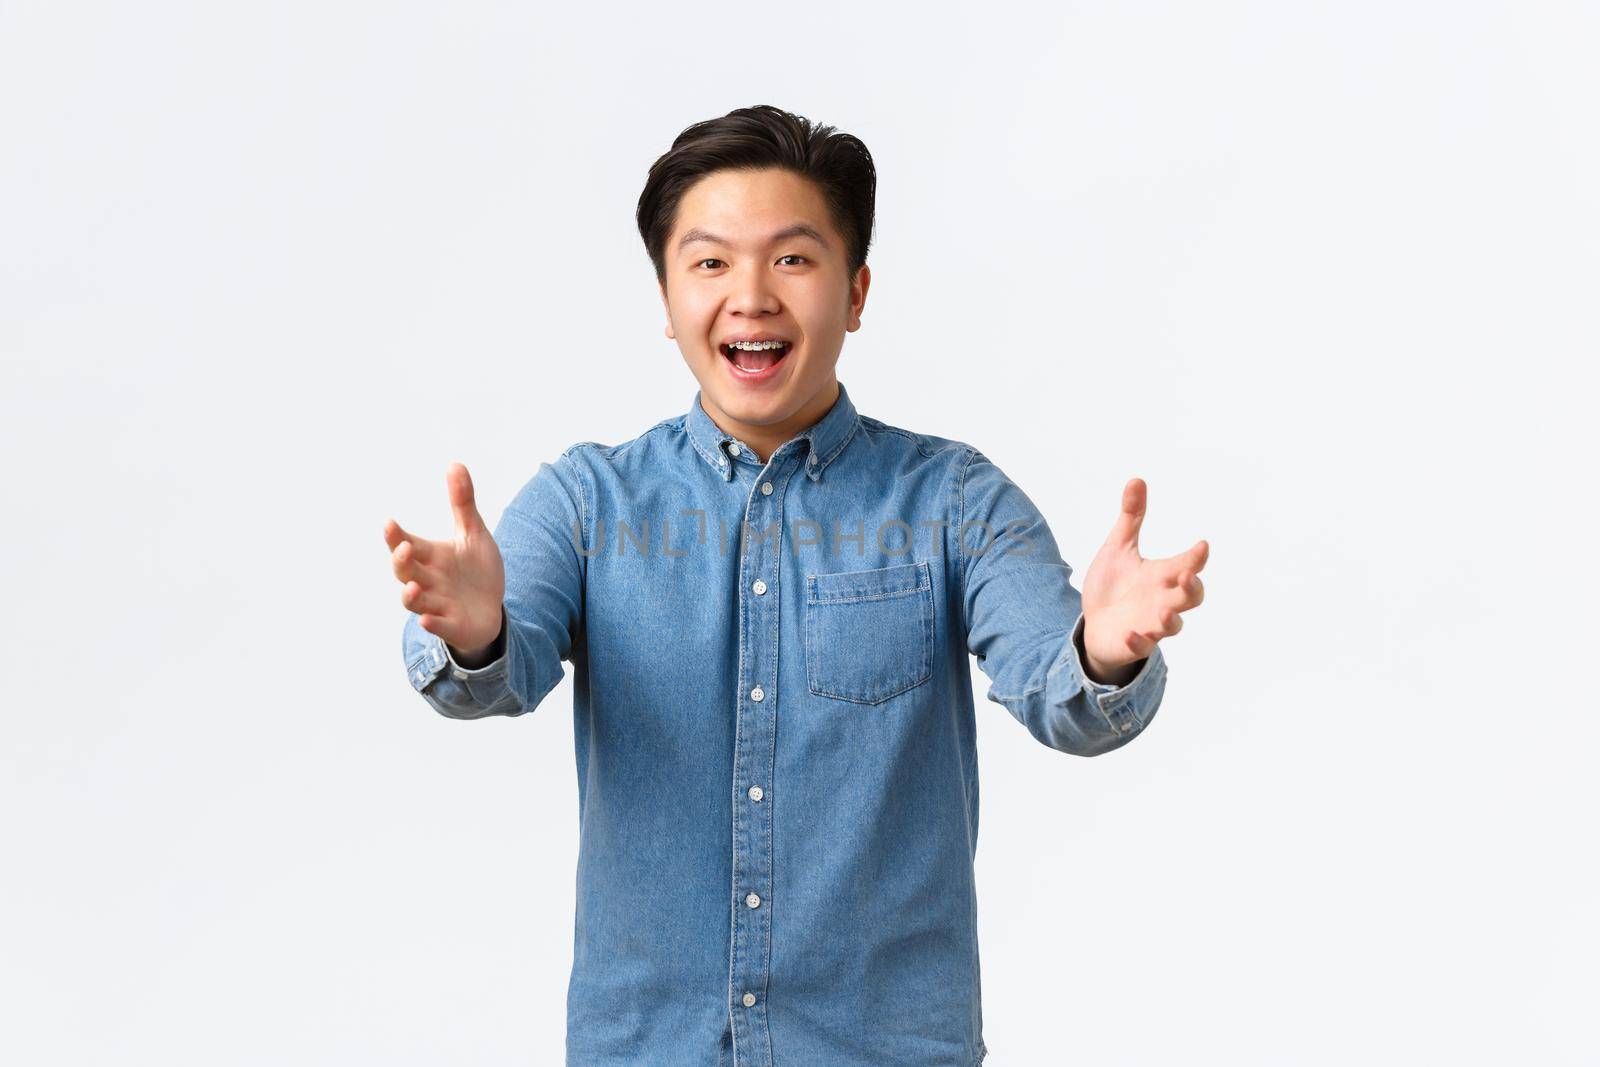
{"x":1176,"y":568}
{"x":1139,"y":644}
{"x":437,"y":625}
{"x":1187,"y":592}
{"x":1126,"y":531}
{"x":404,"y":562}
{"x":422,"y":601}
{"x":463,"y":500}
{"x":395,"y":535}
{"x":408,"y":565}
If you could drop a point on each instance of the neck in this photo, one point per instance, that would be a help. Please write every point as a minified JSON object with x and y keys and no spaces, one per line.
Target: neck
{"x":766,"y":437}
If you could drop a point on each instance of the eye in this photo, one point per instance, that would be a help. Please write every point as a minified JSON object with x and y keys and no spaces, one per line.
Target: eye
{"x":792,"y":256}
{"x":703,"y":262}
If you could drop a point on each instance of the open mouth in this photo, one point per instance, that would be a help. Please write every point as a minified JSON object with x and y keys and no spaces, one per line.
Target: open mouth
{"x":755,"y":362}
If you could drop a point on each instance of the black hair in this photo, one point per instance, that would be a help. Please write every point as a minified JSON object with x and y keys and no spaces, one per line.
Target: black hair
{"x":751,"y":138}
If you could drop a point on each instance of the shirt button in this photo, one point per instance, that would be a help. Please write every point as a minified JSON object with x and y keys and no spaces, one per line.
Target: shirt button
{"x":759,"y":586}
{"x":749,"y":999}
{"x":766,"y":488}
{"x":753,"y":901}
{"x":756,"y":694}
{"x":811,"y":460}
{"x":733,"y":450}
{"x":755,"y":792}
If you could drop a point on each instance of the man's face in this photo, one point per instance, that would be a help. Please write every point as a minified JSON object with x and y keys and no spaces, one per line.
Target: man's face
{"x":740,"y":264}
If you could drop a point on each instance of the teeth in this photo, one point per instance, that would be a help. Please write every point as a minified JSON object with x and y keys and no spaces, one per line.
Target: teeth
{"x":756,"y":346}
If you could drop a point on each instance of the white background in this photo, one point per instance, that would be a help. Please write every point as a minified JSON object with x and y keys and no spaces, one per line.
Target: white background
{"x":1324,"y":275}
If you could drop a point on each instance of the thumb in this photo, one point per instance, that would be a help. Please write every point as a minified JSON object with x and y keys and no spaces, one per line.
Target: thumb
{"x":1126,"y":531}
{"x":463,"y":501}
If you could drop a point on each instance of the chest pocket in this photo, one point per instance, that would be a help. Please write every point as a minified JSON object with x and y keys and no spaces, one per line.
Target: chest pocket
{"x":869,"y":634}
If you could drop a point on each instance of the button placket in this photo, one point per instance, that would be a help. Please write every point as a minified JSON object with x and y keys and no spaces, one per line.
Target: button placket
{"x":754,"y":756}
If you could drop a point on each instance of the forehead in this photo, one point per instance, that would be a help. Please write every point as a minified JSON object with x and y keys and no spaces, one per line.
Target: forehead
{"x":745,"y":206}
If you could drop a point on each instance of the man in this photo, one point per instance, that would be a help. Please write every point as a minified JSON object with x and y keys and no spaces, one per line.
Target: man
{"x":768,"y":603}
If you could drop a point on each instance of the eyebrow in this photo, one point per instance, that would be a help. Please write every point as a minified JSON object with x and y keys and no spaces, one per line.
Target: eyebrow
{"x":798,"y":229}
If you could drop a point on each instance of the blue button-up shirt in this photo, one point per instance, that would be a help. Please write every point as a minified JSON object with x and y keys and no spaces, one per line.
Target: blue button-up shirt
{"x":773,"y":724}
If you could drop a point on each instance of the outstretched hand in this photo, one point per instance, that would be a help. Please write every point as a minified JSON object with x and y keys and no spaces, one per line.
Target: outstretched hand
{"x":1130,"y":603}
{"x":456,"y":586}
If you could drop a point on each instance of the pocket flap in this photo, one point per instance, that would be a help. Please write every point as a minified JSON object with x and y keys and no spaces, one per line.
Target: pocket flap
{"x":872,"y":584}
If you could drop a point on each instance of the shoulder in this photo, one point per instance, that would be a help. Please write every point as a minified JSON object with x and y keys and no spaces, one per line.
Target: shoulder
{"x":974,"y":480}
{"x":924,"y":446}
{"x":593,"y":456}
{"x":948,"y":460}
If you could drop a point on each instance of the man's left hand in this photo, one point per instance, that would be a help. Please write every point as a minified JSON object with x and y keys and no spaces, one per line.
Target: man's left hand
{"x":1130,"y":603}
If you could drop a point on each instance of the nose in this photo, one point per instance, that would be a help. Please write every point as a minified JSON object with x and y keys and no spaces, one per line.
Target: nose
{"x":752,"y":292}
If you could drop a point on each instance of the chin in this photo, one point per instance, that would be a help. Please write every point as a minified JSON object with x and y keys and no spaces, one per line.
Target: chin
{"x":741,"y":402}
{"x":754,"y":409}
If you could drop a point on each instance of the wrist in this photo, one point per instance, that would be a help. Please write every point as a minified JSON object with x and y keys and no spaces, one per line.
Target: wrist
{"x":472,"y":659}
{"x":1103,"y":671}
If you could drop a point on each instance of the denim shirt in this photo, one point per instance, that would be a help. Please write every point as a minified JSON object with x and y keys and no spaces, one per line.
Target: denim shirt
{"x":773,"y":726}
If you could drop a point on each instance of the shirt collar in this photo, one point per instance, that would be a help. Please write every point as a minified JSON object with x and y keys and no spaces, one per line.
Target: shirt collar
{"x":821,"y":441}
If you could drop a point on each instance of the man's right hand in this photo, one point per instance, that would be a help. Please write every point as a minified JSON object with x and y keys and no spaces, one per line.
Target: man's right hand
{"x":456,"y":587}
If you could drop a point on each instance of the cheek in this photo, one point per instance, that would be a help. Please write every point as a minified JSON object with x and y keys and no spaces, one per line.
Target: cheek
{"x":694,"y":319}
{"x":684,"y":298}
{"x":821,"y":306}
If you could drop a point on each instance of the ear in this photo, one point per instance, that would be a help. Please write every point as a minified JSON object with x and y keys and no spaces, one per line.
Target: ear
{"x":858,"y":298}
{"x":667,"y":308}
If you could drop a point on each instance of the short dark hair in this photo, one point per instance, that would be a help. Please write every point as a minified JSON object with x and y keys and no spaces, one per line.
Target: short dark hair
{"x":753,"y":138}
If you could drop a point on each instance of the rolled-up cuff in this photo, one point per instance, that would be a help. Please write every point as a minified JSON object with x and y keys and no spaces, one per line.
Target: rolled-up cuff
{"x":1127,"y":708}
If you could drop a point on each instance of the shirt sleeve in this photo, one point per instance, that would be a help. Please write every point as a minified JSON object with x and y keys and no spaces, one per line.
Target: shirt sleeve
{"x":1024,"y":622}
{"x":541,"y":536}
